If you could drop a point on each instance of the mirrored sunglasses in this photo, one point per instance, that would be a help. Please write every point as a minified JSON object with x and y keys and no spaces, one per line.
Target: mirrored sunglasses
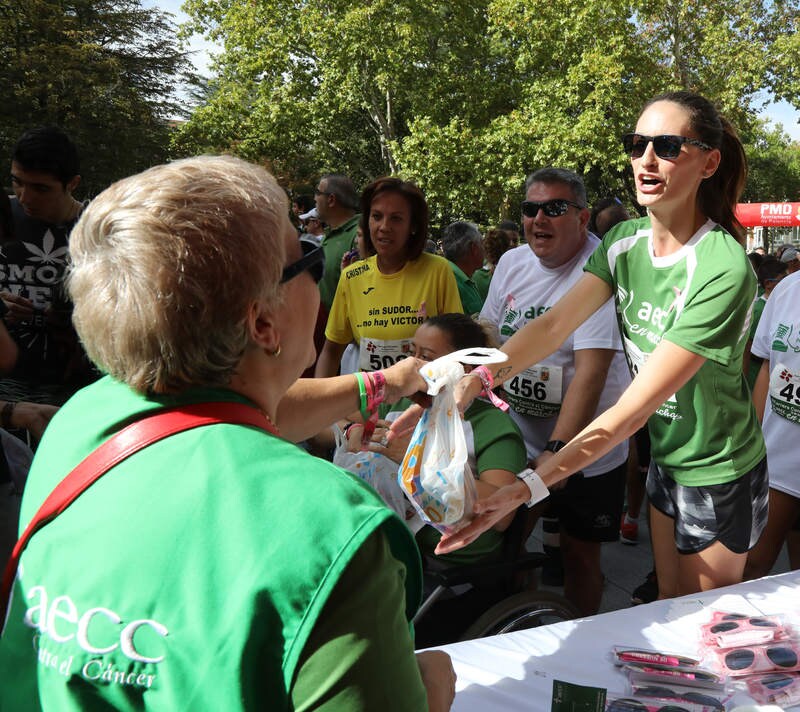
{"x":552,"y":208}
{"x":313,"y":260}
{"x":665,"y":146}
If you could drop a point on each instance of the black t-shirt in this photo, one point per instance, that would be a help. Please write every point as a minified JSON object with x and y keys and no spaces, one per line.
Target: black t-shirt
{"x":33,"y":265}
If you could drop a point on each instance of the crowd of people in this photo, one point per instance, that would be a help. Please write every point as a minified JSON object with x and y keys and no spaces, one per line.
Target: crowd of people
{"x":200,"y":286}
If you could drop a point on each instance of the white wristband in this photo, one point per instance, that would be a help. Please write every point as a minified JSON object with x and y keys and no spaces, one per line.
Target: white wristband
{"x":537,"y":488}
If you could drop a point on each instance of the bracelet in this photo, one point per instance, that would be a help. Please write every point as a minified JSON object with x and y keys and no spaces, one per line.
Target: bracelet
{"x":555,"y":445}
{"x":538,"y":489}
{"x":378,"y":383}
{"x":347,"y":429}
{"x":7,"y":413}
{"x":487,"y":380}
{"x":373,"y":394}
{"x":362,"y":391}
{"x":369,"y":429}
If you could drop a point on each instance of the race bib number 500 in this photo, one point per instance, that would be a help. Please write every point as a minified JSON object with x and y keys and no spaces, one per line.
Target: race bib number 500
{"x":784,"y":393}
{"x":536,"y":391}
{"x":376,"y":354}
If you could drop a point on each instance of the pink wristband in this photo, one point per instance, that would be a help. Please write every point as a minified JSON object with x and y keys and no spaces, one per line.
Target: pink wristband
{"x":487,"y":379}
{"x":378,"y":389}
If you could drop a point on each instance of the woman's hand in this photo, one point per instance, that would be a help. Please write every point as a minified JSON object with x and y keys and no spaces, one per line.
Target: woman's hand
{"x":403,"y":426}
{"x":20,"y":309}
{"x":403,"y":379}
{"x":439,"y":679}
{"x":466,"y":391}
{"x":388,"y":444}
{"x":32,"y":417}
{"x":487,"y":513}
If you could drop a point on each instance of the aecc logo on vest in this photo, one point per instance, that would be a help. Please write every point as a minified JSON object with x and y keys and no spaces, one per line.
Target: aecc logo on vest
{"x":59,"y":620}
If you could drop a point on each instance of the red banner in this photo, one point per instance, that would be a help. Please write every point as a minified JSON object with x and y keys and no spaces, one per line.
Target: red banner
{"x":768,"y":214}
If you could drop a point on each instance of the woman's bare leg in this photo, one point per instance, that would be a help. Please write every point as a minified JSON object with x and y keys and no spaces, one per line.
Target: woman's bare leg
{"x":713,"y":567}
{"x":662,"y":537}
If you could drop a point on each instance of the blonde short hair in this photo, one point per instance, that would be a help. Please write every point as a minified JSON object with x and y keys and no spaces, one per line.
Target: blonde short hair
{"x":165,"y":266}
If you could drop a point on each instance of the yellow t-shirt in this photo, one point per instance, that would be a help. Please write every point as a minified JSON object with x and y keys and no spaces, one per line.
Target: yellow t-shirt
{"x":381,"y":312}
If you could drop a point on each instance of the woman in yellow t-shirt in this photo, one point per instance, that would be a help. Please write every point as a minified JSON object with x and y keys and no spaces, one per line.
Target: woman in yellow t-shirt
{"x":381,"y":301}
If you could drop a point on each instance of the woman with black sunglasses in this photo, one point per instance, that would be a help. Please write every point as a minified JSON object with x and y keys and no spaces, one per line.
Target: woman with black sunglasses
{"x":684,"y":292}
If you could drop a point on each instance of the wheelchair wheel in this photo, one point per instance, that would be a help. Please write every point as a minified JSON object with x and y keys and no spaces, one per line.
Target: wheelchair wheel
{"x":528,"y":609}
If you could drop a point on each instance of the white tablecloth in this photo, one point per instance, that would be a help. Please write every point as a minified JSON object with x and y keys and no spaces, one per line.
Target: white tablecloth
{"x":516,"y":671}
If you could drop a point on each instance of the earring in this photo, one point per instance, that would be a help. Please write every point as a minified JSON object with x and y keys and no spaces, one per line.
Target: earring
{"x":276,"y":352}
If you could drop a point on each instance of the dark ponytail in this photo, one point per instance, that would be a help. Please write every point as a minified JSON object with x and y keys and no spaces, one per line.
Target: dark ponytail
{"x":718,"y":194}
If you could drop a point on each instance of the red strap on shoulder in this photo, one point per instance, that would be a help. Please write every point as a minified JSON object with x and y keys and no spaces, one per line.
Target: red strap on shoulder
{"x":117,"y":448}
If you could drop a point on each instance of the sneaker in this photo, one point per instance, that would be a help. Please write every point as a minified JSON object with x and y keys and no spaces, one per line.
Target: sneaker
{"x":647,"y":592}
{"x":628,"y":531}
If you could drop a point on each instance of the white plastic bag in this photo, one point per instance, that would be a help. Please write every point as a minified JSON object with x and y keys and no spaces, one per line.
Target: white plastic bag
{"x":377,"y":470}
{"x":434,"y":473}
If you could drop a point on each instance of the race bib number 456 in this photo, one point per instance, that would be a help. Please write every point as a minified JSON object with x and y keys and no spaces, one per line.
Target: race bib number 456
{"x":536,"y":391}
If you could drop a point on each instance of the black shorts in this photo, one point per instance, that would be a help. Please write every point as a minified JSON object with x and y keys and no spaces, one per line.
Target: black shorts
{"x":590,"y":508}
{"x":734,"y":513}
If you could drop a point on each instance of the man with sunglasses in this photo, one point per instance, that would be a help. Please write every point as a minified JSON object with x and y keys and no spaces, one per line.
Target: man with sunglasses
{"x":553,"y":400}
{"x":336,"y":202}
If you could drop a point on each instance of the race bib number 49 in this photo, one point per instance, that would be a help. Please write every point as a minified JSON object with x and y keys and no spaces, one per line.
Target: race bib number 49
{"x":376,"y":354}
{"x":536,"y":391}
{"x":784,"y":393}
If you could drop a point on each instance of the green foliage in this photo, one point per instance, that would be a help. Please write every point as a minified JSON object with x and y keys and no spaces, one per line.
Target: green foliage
{"x":774,"y":166}
{"x":104,"y":71}
{"x":466,"y":97}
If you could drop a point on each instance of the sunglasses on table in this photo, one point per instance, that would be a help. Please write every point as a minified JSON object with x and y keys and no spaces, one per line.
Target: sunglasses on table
{"x":760,"y":658}
{"x":670,"y":695}
{"x":552,"y":208}
{"x":774,"y":687}
{"x":729,"y":630}
{"x":629,"y":704}
{"x":665,"y":146}
{"x":313,"y":260}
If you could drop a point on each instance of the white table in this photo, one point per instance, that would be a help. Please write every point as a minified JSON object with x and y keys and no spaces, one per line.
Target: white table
{"x":516,"y":671}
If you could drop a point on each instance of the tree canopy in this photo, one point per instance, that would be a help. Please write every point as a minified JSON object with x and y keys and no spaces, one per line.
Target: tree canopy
{"x":467,"y":96}
{"x":103,"y":71}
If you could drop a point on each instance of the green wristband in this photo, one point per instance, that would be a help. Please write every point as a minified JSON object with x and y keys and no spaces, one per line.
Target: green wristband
{"x":362,"y":391}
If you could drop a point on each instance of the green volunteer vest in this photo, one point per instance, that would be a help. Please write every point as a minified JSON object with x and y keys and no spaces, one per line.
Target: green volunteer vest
{"x":187,"y":578}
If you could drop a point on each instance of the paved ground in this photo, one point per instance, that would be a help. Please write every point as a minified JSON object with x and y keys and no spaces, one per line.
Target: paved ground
{"x":626,"y":566}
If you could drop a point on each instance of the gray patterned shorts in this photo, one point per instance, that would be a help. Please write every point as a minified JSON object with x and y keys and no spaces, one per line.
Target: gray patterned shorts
{"x":734,"y":513}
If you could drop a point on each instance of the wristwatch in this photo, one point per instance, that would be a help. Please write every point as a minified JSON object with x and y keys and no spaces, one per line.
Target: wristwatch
{"x":537,"y":488}
{"x":555,"y":445}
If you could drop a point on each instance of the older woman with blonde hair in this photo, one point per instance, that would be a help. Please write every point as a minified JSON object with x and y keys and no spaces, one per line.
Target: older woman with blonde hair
{"x":220,"y":567}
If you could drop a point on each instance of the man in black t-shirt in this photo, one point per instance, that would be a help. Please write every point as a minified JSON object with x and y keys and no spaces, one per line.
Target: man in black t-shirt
{"x":44,"y":174}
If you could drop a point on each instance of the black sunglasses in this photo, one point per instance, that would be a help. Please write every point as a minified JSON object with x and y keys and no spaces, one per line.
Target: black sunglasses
{"x":634,"y":705}
{"x":665,"y":146}
{"x":552,"y":208}
{"x":313,"y":260}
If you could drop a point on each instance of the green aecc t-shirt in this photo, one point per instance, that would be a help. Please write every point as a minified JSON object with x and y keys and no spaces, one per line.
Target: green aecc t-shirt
{"x":220,"y":569}
{"x":700,"y":299}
